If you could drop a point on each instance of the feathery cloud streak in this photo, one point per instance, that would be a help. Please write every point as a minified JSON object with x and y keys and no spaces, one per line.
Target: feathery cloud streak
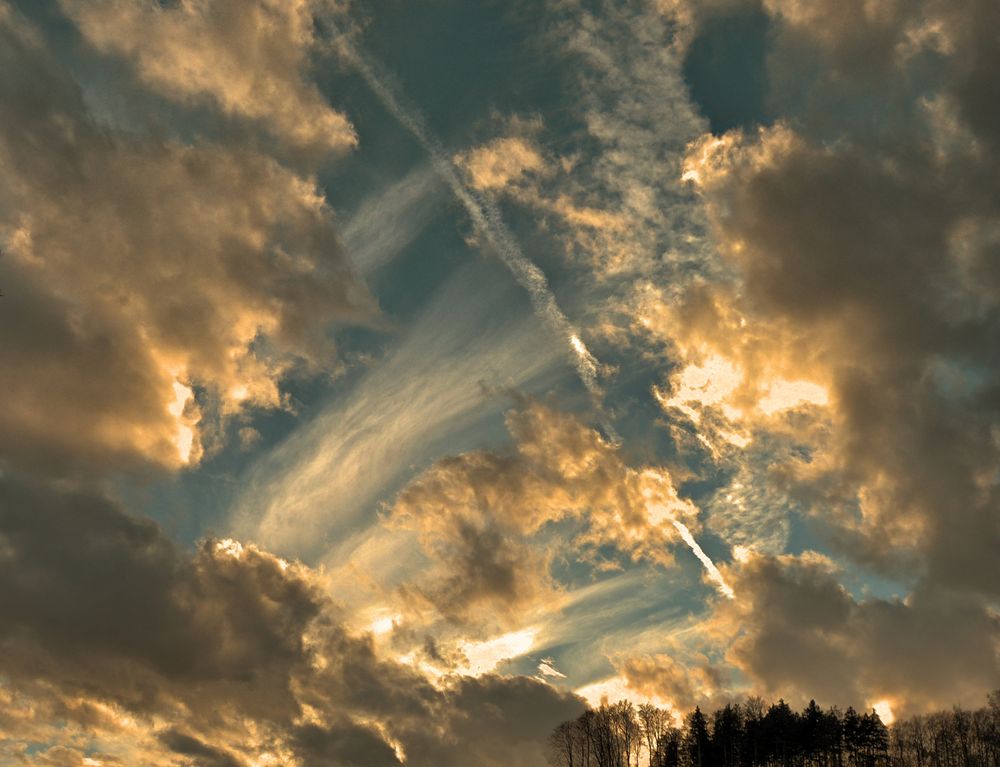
{"x":486,"y":220}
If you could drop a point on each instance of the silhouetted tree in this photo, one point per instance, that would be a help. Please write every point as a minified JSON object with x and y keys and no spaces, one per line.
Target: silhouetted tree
{"x":753,"y":730}
{"x":654,"y":723}
{"x":781,"y":734}
{"x":873,"y":739}
{"x":727,"y":735}
{"x":745,"y":735}
{"x":852,"y":735}
{"x":811,"y":734}
{"x":668,"y":749}
{"x":627,"y":733}
{"x":604,"y":744}
{"x":564,"y":746}
{"x":697,"y":743}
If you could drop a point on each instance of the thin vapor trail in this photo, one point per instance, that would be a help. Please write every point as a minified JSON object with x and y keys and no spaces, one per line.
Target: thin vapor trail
{"x":488,"y":224}
{"x":713,"y":571}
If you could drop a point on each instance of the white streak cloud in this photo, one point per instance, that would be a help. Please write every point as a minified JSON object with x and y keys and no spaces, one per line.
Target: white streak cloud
{"x":486,"y":220}
{"x":335,"y":468}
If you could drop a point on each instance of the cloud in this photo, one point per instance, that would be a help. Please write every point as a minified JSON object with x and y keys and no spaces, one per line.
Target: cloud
{"x":546,"y":668}
{"x":860,"y":270}
{"x":618,"y":688}
{"x":684,"y":685}
{"x":344,"y":744}
{"x":831,"y":365}
{"x":433,"y":386}
{"x":612,"y":196}
{"x":856,"y":234}
{"x":101,"y":600}
{"x":408,"y":203}
{"x":482,"y":517}
{"x":250,"y":60}
{"x":202,"y":754}
{"x":797,"y":632}
{"x":863,"y":266}
{"x":976,"y":54}
{"x":222,"y":655}
{"x":140,"y":270}
{"x":503,"y":161}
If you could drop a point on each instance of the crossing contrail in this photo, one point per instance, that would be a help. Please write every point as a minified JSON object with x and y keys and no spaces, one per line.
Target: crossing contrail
{"x":488,"y":224}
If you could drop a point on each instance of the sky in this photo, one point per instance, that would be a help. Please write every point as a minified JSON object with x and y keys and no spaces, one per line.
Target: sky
{"x":385,"y":381}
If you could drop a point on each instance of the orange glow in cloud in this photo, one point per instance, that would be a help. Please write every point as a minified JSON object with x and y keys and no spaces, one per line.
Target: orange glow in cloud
{"x":884,"y":711}
{"x":783,"y":395}
{"x":184,"y":439}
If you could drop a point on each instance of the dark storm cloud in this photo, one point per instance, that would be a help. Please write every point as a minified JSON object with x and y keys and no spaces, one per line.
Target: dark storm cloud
{"x":343,"y":745}
{"x":501,"y":720}
{"x":864,"y":66}
{"x":877,"y":260}
{"x":489,"y":721}
{"x":806,"y":636}
{"x":100,"y":609}
{"x":202,"y":754}
{"x":862,"y":232}
{"x":103,"y":600}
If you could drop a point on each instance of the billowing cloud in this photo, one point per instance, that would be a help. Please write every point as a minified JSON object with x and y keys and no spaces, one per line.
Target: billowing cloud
{"x":481,"y":516}
{"x":683,"y":684}
{"x":887,"y":319}
{"x":798,"y":321}
{"x":249,"y":59}
{"x":141,"y":269}
{"x":223,"y":656}
{"x":501,"y":162}
{"x":860,"y":294}
{"x":798,"y":631}
{"x":99,"y":599}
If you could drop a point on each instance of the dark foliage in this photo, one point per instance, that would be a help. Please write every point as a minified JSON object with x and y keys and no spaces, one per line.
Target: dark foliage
{"x":751,"y":734}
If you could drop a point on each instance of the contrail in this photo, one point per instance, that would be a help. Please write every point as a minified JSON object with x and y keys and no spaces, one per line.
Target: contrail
{"x":660,"y":512}
{"x":713,"y":571}
{"x":488,"y":223}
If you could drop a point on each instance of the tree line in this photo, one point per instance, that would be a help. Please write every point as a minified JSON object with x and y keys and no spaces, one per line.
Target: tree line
{"x":752,"y":734}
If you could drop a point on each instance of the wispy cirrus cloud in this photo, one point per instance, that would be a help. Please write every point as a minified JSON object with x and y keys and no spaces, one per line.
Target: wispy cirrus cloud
{"x":486,"y":218}
{"x":435,"y":384}
{"x":409,"y":204}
